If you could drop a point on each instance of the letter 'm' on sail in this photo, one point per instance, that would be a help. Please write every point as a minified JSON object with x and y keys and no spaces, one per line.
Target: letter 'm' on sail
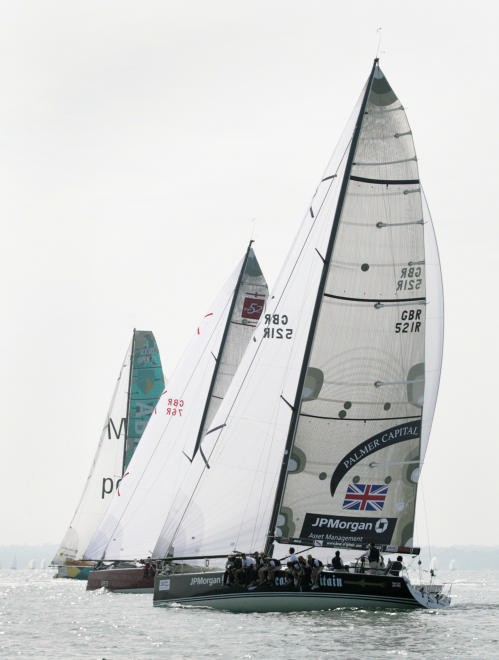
{"x":139,"y":386}
{"x":329,"y":415}
{"x":192,"y":396}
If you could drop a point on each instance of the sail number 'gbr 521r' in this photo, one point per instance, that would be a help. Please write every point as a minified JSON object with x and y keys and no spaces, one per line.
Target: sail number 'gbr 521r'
{"x":410,"y":321}
{"x":276,"y":327}
{"x":410,"y":279}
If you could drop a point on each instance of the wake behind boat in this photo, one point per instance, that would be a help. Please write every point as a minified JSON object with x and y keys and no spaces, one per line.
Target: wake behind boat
{"x":320,"y":440}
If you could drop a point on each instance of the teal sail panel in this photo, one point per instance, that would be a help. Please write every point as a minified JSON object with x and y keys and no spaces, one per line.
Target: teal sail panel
{"x":146,"y":386}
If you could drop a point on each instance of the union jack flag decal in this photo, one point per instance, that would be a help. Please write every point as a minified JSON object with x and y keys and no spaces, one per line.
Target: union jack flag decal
{"x":365,"y":497}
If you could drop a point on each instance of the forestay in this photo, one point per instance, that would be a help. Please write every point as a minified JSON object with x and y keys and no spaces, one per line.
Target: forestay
{"x":321,"y":437}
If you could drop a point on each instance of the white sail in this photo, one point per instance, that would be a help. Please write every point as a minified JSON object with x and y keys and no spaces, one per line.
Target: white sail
{"x":322,"y":434}
{"x":133,"y":521}
{"x":139,"y":385}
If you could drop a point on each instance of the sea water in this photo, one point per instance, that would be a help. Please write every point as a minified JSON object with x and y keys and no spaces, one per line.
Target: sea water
{"x":56,"y":618}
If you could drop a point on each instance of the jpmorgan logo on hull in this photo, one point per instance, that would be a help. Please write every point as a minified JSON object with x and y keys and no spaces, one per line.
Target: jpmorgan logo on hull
{"x":347,"y":529}
{"x":206,"y":580}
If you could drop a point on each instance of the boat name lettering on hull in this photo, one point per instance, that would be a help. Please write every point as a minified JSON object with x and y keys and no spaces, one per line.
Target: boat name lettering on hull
{"x":342,"y":530}
{"x":330,"y":581}
{"x":206,"y":580}
{"x":276,"y":327}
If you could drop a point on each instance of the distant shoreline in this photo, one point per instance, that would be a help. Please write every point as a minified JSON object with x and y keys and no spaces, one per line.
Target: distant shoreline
{"x":460,"y":557}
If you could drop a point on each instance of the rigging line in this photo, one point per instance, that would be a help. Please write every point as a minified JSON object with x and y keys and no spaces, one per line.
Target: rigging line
{"x":378,"y":31}
{"x":128,"y":404}
{"x":320,"y":255}
{"x":279,"y":539}
{"x":329,"y":178}
{"x":307,"y":236}
{"x":189,"y":501}
{"x":218,"y":428}
{"x":287,"y":402}
{"x":420,"y":489}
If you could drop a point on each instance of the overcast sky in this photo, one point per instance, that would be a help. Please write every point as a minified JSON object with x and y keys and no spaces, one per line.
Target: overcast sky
{"x":143,"y":144}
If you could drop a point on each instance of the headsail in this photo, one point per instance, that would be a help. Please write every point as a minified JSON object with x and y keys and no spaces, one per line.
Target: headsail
{"x":139,"y":386}
{"x":322,"y":434}
{"x":171,"y":440}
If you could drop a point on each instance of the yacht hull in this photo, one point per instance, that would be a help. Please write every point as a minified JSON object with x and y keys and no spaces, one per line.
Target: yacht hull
{"x":341,"y":589}
{"x":121,"y":580}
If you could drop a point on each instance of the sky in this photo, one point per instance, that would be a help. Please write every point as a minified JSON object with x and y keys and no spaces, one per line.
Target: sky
{"x":144,"y":144}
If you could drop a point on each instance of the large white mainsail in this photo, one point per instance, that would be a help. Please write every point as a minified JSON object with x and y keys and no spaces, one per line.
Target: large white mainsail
{"x":138,"y":387}
{"x":322,"y":434}
{"x":171,"y":439}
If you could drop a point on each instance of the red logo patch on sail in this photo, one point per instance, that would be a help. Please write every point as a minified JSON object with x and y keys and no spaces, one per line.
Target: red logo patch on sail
{"x":365,"y":497}
{"x":252,"y":307}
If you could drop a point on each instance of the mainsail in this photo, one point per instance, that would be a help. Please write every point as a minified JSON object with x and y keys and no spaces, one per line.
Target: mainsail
{"x":171,"y":441}
{"x":322,"y":435}
{"x":138,"y":388}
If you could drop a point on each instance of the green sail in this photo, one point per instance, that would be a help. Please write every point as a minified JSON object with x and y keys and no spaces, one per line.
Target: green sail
{"x":146,"y":386}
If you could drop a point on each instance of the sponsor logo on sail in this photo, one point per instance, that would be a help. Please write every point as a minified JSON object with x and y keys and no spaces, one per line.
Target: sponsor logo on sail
{"x":253,"y":307}
{"x":345,"y":530}
{"x":381,"y":526}
{"x":394,"y":435}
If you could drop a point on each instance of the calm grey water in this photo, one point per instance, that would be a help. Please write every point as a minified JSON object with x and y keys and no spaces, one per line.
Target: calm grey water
{"x":42,"y":616}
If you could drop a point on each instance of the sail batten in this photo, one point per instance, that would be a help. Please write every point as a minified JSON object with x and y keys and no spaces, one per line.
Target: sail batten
{"x":386,"y":182}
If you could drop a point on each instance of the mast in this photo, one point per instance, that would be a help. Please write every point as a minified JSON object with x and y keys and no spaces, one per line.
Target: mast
{"x":220,"y":351}
{"x":315,"y":315}
{"x":129,"y":398}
